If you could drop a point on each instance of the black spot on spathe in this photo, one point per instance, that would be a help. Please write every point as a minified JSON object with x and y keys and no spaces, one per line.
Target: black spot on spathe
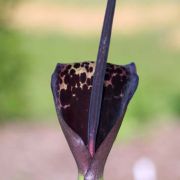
{"x":75,"y":84}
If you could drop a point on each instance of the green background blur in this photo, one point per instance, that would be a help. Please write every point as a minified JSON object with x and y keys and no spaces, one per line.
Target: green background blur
{"x":28,"y":56}
{"x":35,"y":35}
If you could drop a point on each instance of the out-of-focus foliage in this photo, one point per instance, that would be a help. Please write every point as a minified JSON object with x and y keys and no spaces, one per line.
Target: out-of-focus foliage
{"x":12,"y":68}
{"x":157,"y":68}
{"x":12,"y":72}
{"x":23,"y":91}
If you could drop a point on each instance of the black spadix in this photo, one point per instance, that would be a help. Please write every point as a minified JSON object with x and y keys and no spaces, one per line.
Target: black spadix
{"x":91,"y":100}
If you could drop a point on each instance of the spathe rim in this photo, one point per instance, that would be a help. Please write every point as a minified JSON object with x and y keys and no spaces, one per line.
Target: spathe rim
{"x":86,"y":164}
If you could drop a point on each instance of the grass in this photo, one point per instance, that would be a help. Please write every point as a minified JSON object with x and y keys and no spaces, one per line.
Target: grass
{"x":158,"y":68}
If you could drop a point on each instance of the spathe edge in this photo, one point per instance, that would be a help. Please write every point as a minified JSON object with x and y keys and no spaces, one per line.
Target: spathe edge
{"x":87,"y":165}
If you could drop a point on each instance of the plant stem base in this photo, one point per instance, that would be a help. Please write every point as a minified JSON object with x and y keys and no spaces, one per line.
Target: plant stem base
{"x":81,"y":177}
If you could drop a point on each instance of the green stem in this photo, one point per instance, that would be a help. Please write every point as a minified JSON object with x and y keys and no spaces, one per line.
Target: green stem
{"x":81,"y":177}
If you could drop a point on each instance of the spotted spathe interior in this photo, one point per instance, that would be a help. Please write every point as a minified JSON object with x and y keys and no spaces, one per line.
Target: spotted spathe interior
{"x":74,"y":84}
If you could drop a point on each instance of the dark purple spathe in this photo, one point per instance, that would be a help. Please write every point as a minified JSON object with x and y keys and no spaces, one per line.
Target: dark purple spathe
{"x":119,"y":86}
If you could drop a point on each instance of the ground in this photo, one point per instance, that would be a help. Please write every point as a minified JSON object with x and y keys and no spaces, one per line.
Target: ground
{"x":40,"y":152}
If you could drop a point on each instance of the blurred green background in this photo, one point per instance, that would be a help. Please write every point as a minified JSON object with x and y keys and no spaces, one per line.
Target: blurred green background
{"x":35,"y":35}
{"x":30,"y":49}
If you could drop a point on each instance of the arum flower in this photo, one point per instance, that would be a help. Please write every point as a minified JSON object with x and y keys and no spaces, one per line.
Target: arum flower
{"x":72,"y":86}
{"x":91,"y":100}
